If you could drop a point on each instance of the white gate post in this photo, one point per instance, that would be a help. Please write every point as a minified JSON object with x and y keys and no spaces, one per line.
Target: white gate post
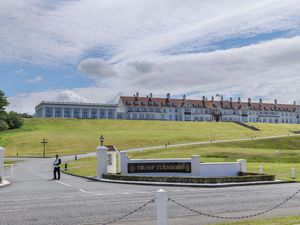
{"x":101,"y":161}
{"x":161,"y":207}
{"x":1,"y":164}
{"x":293,"y":173}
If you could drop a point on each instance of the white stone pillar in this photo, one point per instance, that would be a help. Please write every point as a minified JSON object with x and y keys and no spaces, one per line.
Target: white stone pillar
{"x":1,"y":164}
{"x":243,"y":167}
{"x":161,"y":209}
{"x":101,"y":161}
{"x":123,"y":163}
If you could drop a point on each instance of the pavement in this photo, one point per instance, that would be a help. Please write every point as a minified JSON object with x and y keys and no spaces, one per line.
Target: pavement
{"x":4,"y":183}
{"x":33,"y":198}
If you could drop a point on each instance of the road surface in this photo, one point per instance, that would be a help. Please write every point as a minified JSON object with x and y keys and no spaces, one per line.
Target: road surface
{"x":34,"y":199}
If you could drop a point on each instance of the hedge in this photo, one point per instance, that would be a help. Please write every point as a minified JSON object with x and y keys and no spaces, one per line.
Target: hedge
{"x":242,"y":177}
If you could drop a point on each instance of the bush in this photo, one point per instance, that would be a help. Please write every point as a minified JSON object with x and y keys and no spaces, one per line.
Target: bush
{"x":3,"y":125}
{"x":13,"y":120}
{"x":247,"y":177}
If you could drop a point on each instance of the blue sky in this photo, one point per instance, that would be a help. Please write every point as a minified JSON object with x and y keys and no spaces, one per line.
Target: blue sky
{"x":85,"y":51}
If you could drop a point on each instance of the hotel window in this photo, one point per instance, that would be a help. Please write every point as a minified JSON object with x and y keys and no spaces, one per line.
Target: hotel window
{"x":102,"y":113}
{"x":67,"y":113}
{"x":134,"y":116}
{"x":141,"y":116}
{"x":85,"y":113}
{"x":94,"y":113}
{"x":162,"y":117}
{"x":48,"y":112}
{"x":147,"y":116}
{"x":110,"y":114}
{"x":58,"y":112}
{"x":76,"y":113}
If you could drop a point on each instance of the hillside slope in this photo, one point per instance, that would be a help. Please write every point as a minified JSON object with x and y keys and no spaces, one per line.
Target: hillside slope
{"x":72,"y":136}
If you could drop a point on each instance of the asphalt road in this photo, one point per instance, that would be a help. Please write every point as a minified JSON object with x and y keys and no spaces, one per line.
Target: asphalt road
{"x":33,"y":199}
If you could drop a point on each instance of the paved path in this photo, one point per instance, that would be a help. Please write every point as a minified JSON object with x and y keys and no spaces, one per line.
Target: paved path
{"x":187,"y":144}
{"x":33,"y":199}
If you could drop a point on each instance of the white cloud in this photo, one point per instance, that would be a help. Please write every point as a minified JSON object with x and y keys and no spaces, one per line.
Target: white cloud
{"x":63,"y":33}
{"x":135,"y":40}
{"x":96,"y":68}
{"x":34,"y":80}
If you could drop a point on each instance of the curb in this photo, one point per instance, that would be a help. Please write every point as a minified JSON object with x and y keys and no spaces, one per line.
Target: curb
{"x":218,"y":185}
{"x":4,"y":183}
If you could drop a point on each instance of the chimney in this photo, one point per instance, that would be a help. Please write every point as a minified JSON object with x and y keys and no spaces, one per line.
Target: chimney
{"x":168,"y":96}
{"x":222,"y":98}
{"x":183,"y":97}
{"x":212,"y":98}
{"x":260,"y":101}
{"x":249,"y":100}
{"x":137,"y":94}
{"x":203,"y":98}
{"x":294,"y":103}
{"x":275,"y":101}
{"x":230,"y":99}
{"x":239,"y":100}
{"x":150,"y":95}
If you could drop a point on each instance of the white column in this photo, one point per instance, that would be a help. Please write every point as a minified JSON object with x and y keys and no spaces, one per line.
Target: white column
{"x":123,"y":163}
{"x":1,"y":163}
{"x":43,"y":112}
{"x":161,"y":207}
{"x":101,"y":161}
{"x":106,"y":113}
{"x":243,"y":167}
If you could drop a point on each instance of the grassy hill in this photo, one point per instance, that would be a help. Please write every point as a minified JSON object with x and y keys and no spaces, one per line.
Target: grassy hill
{"x":73,"y":136}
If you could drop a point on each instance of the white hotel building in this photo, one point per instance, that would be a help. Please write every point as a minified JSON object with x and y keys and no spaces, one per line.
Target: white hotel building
{"x":51,"y":109}
{"x":150,"y":108}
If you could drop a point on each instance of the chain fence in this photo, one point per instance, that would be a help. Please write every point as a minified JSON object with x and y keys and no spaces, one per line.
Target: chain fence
{"x":124,"y":216}
{"x":235,"y":217}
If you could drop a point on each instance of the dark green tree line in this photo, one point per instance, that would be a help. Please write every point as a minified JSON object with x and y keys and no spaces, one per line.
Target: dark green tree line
{"x":9,"y":120}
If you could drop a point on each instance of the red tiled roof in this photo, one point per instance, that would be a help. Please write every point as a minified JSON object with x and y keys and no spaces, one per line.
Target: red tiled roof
{"x":165,"y":102}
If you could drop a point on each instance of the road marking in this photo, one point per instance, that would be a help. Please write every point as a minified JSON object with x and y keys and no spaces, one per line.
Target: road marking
{"x":13,"y":210}
{"x":68,"y":185}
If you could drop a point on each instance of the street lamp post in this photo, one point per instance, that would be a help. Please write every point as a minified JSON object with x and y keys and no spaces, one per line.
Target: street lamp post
{"x":44,"y":142}
{"x":101,"y":140}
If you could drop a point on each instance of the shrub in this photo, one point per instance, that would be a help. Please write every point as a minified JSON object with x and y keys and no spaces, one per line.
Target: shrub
{"x":13,"y":120}
{"x":3,"y":125}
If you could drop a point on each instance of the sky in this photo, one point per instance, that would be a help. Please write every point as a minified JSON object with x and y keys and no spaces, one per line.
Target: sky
{"x":95,"y":51}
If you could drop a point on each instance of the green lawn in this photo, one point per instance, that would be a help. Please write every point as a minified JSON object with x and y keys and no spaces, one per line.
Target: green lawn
{"x":290,"y":220}
{"x":73,"y":136}
{"x":256,"y":152}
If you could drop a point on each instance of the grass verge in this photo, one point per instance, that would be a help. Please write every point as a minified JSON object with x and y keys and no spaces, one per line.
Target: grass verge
{"x":290,"y":220}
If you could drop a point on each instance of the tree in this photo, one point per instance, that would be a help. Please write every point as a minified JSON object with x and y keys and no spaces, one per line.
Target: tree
{"x":3,"y":101}
{"x":13,"y":120}
{"x":10,"y":120}
{"x":3,"y":125}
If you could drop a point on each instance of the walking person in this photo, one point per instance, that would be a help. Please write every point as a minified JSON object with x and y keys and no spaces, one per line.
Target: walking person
{"x":56,"y":169}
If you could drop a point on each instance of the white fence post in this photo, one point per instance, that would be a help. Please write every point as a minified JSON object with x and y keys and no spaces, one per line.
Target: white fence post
{"x":161,"y":207}
{"x":1,"y":164}
{"x":293,"y":173}
{"x":260,"y":169}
